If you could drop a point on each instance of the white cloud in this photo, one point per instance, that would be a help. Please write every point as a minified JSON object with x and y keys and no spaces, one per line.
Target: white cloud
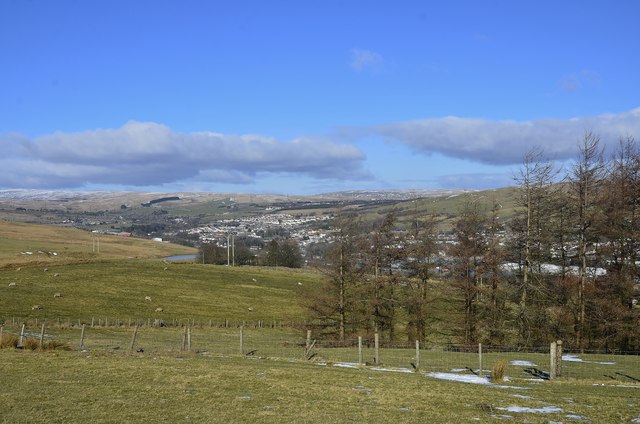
{"x":147,"y":153}
{"x":505,"y":142}
{"x":365,"y":59}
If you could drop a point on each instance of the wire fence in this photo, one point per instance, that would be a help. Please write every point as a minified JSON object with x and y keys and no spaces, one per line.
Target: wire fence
{"x":253,"y":341}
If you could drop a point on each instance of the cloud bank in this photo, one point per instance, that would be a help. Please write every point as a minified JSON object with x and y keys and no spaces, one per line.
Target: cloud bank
{"x":505,"y":142}
{"x":147,"y":153}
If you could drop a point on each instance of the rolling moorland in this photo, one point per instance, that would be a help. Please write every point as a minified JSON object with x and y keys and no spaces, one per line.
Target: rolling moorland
{"x":213,"y":382}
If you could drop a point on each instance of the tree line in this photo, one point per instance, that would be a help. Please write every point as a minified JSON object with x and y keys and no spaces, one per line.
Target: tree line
{"x":564,"y":265}
{"x":278,"y":252}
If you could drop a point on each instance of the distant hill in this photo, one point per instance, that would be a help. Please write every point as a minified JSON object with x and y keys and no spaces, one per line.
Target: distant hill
{"x":24,"y":244}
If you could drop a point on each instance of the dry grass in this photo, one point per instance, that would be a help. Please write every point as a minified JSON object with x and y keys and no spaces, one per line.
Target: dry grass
{"x":497,"y":372}
{"x":8,"y":341}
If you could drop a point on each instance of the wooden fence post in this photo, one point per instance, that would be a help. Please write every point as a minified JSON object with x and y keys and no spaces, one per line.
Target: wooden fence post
{"x":189,"y":339}
{"x":480,"y":359}
{"x":559,"y":358}
{"x":417,"y":365}
{"x":82,"y":337}
{"x":553,"y":351}
{"x":242,"y":340}
{"x":376,"y":342}
{"x":133,"y":339}
{"x":1,"y":333}
{"x":41,"y":337}
{"x":21,"y":335}
{"x":359,"y":350}
{"x":183,"y":343}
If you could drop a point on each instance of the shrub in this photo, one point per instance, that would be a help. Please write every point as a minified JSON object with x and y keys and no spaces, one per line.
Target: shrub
{"x":497,"y":372}
{"x":8,"y":341}
{"x":30,"y":344}
{"x":34,"y":344}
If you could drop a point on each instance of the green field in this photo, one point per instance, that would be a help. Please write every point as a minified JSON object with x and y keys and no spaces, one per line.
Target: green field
{"x":267,"y":378}
{"x":74,"y":387}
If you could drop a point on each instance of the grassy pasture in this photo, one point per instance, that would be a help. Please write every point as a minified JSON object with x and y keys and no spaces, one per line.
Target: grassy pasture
{"x":116,"y":289}
{"x":72,"y":245}
{"x":90,"y":386}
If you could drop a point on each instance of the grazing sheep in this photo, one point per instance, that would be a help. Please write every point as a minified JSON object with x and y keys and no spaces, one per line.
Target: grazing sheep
{"x":159,"y":310}
{"x":250,"y":309}
{"x":57,"y":295}
{"x":36,"y":307}
{"x":46,"y":269}
{"x":19,"y":268}
{"x":254,"y":280}
{"x":56,"y":274}
{"x":12,"y":284}
{"x":299,"y":283}
{"x":147,"y":298}
{"x":165,"y":268}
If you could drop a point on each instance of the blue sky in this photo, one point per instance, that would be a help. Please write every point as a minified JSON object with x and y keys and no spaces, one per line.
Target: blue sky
{"x":307,"y":97}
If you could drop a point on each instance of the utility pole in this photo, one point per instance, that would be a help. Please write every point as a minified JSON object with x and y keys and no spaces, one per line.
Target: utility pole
{"x":228,"y":249}
{"x":233,"y":249}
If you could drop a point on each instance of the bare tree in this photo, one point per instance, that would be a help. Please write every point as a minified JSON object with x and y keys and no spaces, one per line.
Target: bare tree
{"x":587,"y":177}
{"x":534,"y":181}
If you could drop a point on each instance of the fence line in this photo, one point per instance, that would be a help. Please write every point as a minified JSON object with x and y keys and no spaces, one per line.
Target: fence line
{"x":151,"y":322}
{"x":543,"y":362}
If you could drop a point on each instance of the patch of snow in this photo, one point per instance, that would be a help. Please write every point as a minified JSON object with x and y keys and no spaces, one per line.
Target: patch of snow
{"x":543,"y":410}
{"x":346,"y":365}
{"x":473,"y":379}
{"x":405,"y":370}
{"x":458,"y":370}
{"x":573,"y":358}
{"x":521,"y":396}
{"x":518,"y":363}
{"x":624,"y":386}
{"x":636,"y":420}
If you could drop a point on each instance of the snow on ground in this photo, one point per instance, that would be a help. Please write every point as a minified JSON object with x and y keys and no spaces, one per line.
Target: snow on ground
{"x":463,"y":378}
{"x":519,"y":396}
{"x":405,"y":370}
{"x":573,"y":358}
{"x":346,"y":365}
{"x":518,"y":363}
{"x":576,"y":417}
{"x":543,"y":410}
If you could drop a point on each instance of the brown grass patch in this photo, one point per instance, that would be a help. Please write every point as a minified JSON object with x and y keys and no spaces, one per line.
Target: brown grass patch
{"x":497,"y":372}
{"x":8,"y":341}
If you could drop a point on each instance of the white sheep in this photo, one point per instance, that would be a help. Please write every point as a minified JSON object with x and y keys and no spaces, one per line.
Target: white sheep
{"x":36,"y":307}
{"x":159,"y":310}
{"x":12,"y":284}
{"x":57,"y":295}
{"x":56,"y":274}
{"x":147,"y":298}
